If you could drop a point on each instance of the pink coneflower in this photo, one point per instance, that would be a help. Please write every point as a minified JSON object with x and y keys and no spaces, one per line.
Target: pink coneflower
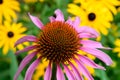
{"x":59,"y":43}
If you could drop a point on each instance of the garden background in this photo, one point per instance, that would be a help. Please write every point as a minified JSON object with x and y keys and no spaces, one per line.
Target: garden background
{"x":102,"y":15}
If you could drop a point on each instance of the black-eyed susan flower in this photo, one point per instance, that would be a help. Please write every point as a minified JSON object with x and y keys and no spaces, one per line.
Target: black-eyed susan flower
{"x":8,"y":9}
{"x":92,"y":16}
{"x":9,"y":34}
{"x":59,"y":43}
{"x":110,"y":4}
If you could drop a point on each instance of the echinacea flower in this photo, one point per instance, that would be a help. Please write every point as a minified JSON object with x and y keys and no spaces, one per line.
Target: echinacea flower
{"x":92,"y":15}
{"x":9,"y":34}
{"x":8,"y":9}
{"x":59,"y":43}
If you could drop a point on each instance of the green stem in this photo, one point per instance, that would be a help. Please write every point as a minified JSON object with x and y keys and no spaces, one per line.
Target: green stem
{"x":53,"y":72}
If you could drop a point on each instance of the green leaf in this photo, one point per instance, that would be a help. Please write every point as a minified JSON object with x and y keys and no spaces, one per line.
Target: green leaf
{"x":101,"y":74}
{"x":13,"y":65}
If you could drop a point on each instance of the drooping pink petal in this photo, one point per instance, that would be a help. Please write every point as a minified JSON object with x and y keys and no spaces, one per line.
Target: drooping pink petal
{"x":99,"y":54}
{"x":48,"y":72}
{"x":83,"y":69}
{"x":31,"y":69}
{"x":36,"y":21}
{"x":24,"y":62}
{"x":86,"y":35}
{"x":68,"y":73}
{"x":77,"y":74}
{"x":51,"y":18}
{"x":92,"y":44}
{"x":60,"y":75}
{"x":59,"y":15}
{"x":26,"y":49}
{"x":90,"y":62}
{"x":26,"y":38}
{"x":87,"y":32}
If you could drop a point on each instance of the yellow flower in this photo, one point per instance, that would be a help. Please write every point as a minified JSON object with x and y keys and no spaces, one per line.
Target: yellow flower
{"x":41,"y":1}
{"x":9,"y":34}
{"x":8,"y":9}
{"x":32,"y":1}
{"x":40,"y":70}
{"x":117,"y":48}
{"x":114,"y":64}
{"x":118,"y":9}
{"x":110,"y":4}
{"x":96,"y":16}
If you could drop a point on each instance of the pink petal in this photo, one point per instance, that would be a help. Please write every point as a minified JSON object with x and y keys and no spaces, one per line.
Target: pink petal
{"x":51,"y":18}
{"x":77,"y":74}
{"x":24,"y":62}
{"x":36,"y":21}
{"x":31,"y":69}
{"x":92,"y":44}
{"x":60,"y":75}
{"x":86,"y":35}
{"x":87,"y":32}
{"x":83,"y":69}
{"x":26,"y":38}
{"x":99,"y":54}
{"x":76,"y":23}
{"x":90,"y":62}
{"x":69,"y":21}
{"x":68,"y":73}
{"x":59,"y":15}
{"x":26,"y":49}
{"x":48,"y":73}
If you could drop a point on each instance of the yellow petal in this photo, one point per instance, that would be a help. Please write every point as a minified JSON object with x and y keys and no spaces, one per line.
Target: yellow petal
{"x":5,"y":48}
{"x":117,"y":49}
{"x":112,"y":8}
{"x":11,"y":13}
{"x":74,"y":9}
{"x":114,"y":2}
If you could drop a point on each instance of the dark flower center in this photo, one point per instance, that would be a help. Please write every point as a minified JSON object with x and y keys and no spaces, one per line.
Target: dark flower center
{"x":58,"y":42}
{"x":10,"y":34}
{"x":1,"y":1}
{"x":91,"y":16}
{"x":79,"y":4}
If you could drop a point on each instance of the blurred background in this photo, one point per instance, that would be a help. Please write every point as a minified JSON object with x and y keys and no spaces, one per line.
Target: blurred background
{"x":102,"y":15}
